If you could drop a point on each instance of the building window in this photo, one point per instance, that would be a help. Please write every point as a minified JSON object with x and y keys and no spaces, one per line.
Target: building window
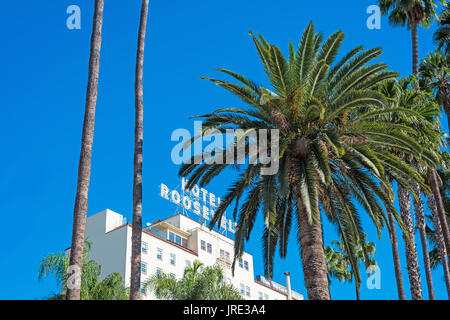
{"x":209,"y":248}
{"x":177,"y":239}
{"x":242,"y":289}
{"x":144,"y":268}
{"x":158,"y":272}
{"x":159,"y":254}
{"x":172,"y":259}
{"x":247,"y":291}
{"x":144,"y":247}
{"x":203,"y":245}
{"x":224,"y":254}
{"x":246,"y":265}
{"x":143,"y":288}
{"x":188,"y":264}
{"x":266,"y":297}
{"x":240,"y":263}
{"x":172,"y":276}
{"x":260,"y":295}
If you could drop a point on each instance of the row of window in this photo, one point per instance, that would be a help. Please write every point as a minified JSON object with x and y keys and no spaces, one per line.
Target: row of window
{"x":245,"y":290}
{"x":243,"y":264}
{"x":172,"y":237}
{"x":224,"y":254}
{"x":159,"y":254}
{"x":172,"y":262}
{"x":262,"y":297}
{"x":206,"y":246}
{"x":177,"y":239}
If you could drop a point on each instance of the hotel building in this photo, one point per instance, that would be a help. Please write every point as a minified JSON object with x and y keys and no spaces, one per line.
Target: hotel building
{"x":169,"y":246}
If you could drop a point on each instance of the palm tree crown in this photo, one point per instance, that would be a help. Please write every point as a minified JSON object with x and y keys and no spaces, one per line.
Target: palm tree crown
{"x":331,"y":150}
{"x":435,"y":77}
{"x":442,"y":35}
{"x":409,"y":12}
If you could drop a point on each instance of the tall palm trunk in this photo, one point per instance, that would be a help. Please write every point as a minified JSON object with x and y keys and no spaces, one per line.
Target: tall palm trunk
{"x":313,"y":258}
{"x":433,"y":182}
{"x":440,"y":241}
{"x":410,"y":246}
{"x":395,"y":254}
{"x":135,"y":286}
{"x":420,"y":220}
{"x":415,"y":47}
{"x":396,"y":258}
{"x":404,"y":198}
{"x":84,"y":166}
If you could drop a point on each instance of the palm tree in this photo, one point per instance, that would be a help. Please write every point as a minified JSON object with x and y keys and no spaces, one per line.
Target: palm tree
{"x":92,"y":288}
{"x":442,"y":35}
{"x":84,"y":166}
{"x":411,"y":13}
{"x":339,"y":265}
{"x":198,"y":283}
{"x":435,"y":77}
{"x":426,"y":126}
{"x":414,"y":13}
{"x":328,"y":151}
{"x":135,"y":288}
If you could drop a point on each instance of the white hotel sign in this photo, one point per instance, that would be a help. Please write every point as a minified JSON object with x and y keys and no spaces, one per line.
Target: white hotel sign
{"x":199,"y":201}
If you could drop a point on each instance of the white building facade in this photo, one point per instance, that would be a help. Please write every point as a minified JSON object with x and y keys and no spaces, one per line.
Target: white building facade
{"x":169,"y":246}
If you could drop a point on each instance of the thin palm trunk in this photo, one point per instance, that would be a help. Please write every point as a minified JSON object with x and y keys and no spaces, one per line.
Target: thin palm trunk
{"x":410,"y":246}
{"x":313,"y":258}
{"x":440,"y":241}
{"x":358,"y":293}
{"x":420,"y":220}
{"x":84,"y":166}
{"x":415,"y":48}
{"x":427,"y":264}
{"x":396,"y":258}
{"x":135,"y":285}
{"x":395,"y":254}
{"x":433,"y":182}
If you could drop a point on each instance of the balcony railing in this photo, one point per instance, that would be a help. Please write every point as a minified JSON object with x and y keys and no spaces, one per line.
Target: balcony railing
{"x":157,"y":232}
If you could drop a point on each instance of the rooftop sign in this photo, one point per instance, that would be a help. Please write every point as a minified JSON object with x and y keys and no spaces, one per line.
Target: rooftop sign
{"x":199,"y":201}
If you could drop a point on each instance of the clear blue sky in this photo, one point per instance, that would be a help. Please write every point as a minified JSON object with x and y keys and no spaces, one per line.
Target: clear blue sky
{"x":44,"y":67}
